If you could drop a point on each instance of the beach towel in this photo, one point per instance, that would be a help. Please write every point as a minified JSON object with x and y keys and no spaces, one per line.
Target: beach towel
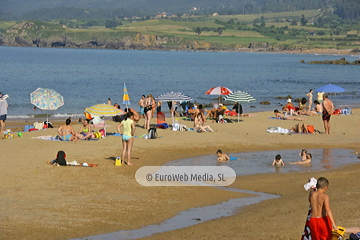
{"x":276,"y":118}
{"x":278,"y":130}
{"x":74,"y":164}
{"x":57,"y":138}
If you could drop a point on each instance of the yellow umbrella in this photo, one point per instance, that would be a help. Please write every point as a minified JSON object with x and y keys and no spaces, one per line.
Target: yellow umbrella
{"x":105,"y":110}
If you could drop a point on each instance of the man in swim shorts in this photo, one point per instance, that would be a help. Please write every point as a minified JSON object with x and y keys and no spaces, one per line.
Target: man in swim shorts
{"x":328,"y":109}
{"x":322,"y":221}
{"x":141,"y":103}
{"x":67,"y":132}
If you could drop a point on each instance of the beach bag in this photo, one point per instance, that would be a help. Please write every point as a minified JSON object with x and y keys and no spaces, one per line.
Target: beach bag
{"x":152,"y":134}
{"x":354,"y":236}
{"x":162,"y":125}
{"x":310,"y":128}
{"x":336,"y":112}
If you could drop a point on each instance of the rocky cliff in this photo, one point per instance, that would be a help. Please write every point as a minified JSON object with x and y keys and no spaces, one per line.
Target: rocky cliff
{"x":42,"y":34}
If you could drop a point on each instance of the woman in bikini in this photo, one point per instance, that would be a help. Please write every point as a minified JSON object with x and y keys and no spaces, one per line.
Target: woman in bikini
{"x":85,"y":131}
{"x":199,"y":123}
{"x":306,"y":158}
{"x":149,"y":102}
{"x":279,"y":115}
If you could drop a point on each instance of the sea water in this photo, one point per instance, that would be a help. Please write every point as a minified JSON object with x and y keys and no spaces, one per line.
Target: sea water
{"x":86,"y":77}
{"x":260,"y":162}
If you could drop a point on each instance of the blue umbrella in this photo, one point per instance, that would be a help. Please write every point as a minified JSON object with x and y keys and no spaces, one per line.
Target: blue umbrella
{"x":330,"y":89}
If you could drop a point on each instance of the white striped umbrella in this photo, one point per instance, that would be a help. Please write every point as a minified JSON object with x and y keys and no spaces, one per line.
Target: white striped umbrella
{"x":239,"y":97}
{"x":173,"y":96}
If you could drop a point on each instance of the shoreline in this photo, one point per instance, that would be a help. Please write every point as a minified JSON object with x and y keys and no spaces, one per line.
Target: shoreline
{"x":319,"y":51}
{"x":76,"y":202}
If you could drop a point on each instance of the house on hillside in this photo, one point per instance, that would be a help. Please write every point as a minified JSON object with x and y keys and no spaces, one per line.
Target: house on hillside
{"x":311,"y":32}
{"x":215,"y":14}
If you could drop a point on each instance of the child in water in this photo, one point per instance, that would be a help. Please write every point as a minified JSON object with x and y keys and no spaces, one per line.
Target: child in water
{"x":278,"y":161}
{"x":222,"y":157}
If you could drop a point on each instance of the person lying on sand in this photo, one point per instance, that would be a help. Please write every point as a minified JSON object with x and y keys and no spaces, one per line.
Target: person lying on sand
{"x":222,"y":157}
{"x":278,"y":161}
{"x":279,"y":115}
{"x":306,"y":158}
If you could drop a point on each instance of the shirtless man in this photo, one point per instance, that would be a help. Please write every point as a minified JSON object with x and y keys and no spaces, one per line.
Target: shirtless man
{"x":67,"y":132}
{"x":328,"y":109}
{"x":141,"y":103}
{"x":282,"y":116}
{"x":222,"y":157}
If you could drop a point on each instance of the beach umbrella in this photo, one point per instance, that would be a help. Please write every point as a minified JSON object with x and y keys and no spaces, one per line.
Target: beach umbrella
{"x":126,"y":98}
{"x":46,"y":99}
{"x":218,"y":91}
{"x":330,"y":89}
{"x":239,"y":97}
{"x":105,"y":110}
{"x":173,"y":96}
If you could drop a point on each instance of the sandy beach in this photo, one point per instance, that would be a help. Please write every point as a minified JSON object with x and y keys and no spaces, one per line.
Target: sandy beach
{"x":41,"y":201}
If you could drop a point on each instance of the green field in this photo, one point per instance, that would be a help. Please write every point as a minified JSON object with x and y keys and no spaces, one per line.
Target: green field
{"x":6,"y":24}
{"x":183,"y":30}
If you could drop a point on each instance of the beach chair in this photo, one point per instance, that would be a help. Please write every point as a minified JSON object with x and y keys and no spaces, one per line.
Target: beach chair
{"x":160,"y":121}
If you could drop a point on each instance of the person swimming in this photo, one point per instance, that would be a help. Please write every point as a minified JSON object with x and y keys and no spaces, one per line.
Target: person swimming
{"x":222,"y":157}
{"x":278,"y":161}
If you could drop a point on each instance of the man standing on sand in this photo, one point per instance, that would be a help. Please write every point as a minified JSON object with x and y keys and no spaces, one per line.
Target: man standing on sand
{"x":3,"y":111}
{"x":67,"y":132}
{"x":328,"y":109}
{"x":141,"y":103}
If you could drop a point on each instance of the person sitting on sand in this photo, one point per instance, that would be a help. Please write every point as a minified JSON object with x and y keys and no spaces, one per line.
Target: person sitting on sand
{"x":85,"y":131}
{"x":318,"y":107}
{"x":279,"y":115}
{"x":289,"y":108}
{"x":67,"y":132}
{"x":222,"y":157}
{"x":302,"y":104}
{"x":199,"y":124}
{"x":306,"y":157}
{"x":278,"y":161}
{"x":216,"y":112}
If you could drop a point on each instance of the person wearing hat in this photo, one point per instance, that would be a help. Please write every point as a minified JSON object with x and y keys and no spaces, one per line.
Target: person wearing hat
{"x":289,"y":107}
{"x":3,"y":110}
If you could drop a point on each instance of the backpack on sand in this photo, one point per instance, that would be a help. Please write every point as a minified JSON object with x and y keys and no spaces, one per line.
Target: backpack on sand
{"x":152,"y":134}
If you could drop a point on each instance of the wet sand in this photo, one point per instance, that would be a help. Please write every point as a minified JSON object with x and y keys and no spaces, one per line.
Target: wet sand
{"x":40,"y":201}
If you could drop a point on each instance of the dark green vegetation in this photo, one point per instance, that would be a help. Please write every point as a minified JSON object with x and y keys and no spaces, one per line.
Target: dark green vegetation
{"x":335,"y":24}
{"x":70,"y":9}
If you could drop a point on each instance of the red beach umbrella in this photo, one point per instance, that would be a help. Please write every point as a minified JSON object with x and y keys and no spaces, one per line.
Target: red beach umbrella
{"x":218,"y":91}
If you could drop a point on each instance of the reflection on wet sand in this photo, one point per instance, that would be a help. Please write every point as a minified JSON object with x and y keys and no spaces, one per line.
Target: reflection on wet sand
{"x":327,"y":158}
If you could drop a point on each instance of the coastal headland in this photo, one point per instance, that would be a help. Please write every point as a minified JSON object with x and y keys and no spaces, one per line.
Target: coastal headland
{"x":41,"y":201}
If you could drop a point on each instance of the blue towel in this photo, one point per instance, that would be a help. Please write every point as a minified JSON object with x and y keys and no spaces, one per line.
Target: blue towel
{"x":276,"y":118}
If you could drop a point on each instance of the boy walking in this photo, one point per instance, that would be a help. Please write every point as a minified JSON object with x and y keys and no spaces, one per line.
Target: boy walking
{"x":321,"y":221}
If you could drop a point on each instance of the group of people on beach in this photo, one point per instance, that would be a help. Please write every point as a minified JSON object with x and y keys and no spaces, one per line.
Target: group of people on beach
{"x":323,"y":106}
